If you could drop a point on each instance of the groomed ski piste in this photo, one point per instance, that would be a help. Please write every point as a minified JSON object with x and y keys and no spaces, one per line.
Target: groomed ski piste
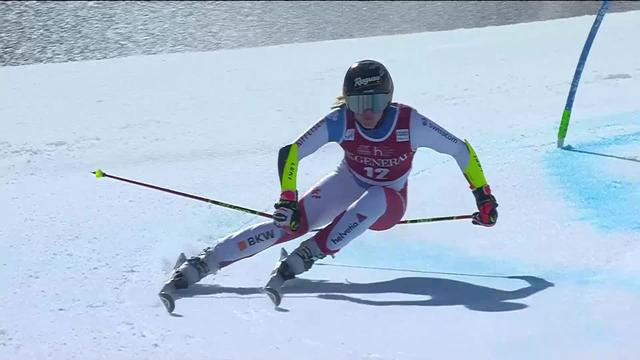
{"x":82,"y":259}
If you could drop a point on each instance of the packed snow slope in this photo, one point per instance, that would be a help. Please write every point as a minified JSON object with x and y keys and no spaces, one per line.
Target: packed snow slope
{"x":82,"y":259}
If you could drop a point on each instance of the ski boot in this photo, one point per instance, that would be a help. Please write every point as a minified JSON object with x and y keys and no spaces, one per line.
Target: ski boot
{"x":279,"y":275}
{"x":299,"y":261}
{"x":186,"y":272}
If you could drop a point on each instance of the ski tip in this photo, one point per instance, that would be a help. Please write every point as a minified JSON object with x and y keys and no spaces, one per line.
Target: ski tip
{"x":99,"y":173}
{"x":167,"y":301}
{"x":274,"y":295}
{"x":182,"y":258}
{"x":283,"y":254}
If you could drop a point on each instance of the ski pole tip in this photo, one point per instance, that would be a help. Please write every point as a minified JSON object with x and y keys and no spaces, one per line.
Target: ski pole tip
{"x":99,"y":173}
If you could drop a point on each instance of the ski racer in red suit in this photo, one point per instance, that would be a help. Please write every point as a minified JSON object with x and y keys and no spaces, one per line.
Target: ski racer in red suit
{"x":368,"y":190}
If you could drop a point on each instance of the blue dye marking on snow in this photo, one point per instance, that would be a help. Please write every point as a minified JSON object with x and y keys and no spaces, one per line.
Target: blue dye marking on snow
{"x":443,"y":262}
{"x":601,"y":198}
{"x":608,"y":201}
{"x":394,"y":252}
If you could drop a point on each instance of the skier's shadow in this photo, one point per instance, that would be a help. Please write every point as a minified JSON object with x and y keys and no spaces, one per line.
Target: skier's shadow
{"x":441,"y":292}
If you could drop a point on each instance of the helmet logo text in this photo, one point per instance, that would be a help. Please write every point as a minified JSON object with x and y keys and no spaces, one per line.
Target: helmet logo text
{"x":365,"y":81}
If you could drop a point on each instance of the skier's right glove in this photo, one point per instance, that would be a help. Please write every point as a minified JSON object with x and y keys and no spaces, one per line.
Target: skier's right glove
{"x":487,"y":204}
{"x":287,"y":214}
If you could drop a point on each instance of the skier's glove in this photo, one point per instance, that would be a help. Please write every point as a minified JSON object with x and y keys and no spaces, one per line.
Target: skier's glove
{"x":487,"y":214}
{"x":287,"y":214}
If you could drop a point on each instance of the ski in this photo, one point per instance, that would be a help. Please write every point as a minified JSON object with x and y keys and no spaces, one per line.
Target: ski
{"x":168,"y":301}
{"x":166,"y":293}
{"x":274,"y":295}
{"x":272,"y":289}
{"x":181,"y":260}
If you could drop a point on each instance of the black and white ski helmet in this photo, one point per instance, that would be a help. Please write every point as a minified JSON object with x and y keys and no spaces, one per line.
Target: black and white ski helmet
{"x":367,"y":77}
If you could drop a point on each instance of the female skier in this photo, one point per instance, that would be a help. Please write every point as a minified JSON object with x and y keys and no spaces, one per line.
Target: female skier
{"x":368,"y":190}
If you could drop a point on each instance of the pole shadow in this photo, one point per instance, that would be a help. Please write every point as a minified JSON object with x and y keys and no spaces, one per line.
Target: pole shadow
{"x":440,"y":292}
{"x":571,"y":148}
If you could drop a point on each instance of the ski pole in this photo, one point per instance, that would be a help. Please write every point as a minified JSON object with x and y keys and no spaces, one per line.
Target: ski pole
{"x":99,"y":174}
{"x":426,"y":220}
{"x":443,"y":218}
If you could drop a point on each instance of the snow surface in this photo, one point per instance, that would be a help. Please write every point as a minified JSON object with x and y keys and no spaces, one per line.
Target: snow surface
{"x":81,"y":259}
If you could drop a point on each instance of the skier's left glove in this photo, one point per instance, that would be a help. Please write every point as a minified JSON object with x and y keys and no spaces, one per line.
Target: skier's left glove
{"x":287,"y":214}
{"x":487,"y":214}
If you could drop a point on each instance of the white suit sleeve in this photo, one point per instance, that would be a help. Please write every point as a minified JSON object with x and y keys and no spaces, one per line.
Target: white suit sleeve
{"x":426,"y":133}
{"x":329,"y":129}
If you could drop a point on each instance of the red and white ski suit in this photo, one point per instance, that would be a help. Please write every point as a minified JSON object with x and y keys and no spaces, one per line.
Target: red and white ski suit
{"x":368,"y":190}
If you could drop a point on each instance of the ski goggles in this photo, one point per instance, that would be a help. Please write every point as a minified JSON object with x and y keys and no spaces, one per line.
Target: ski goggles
{"x":374,"y":102}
